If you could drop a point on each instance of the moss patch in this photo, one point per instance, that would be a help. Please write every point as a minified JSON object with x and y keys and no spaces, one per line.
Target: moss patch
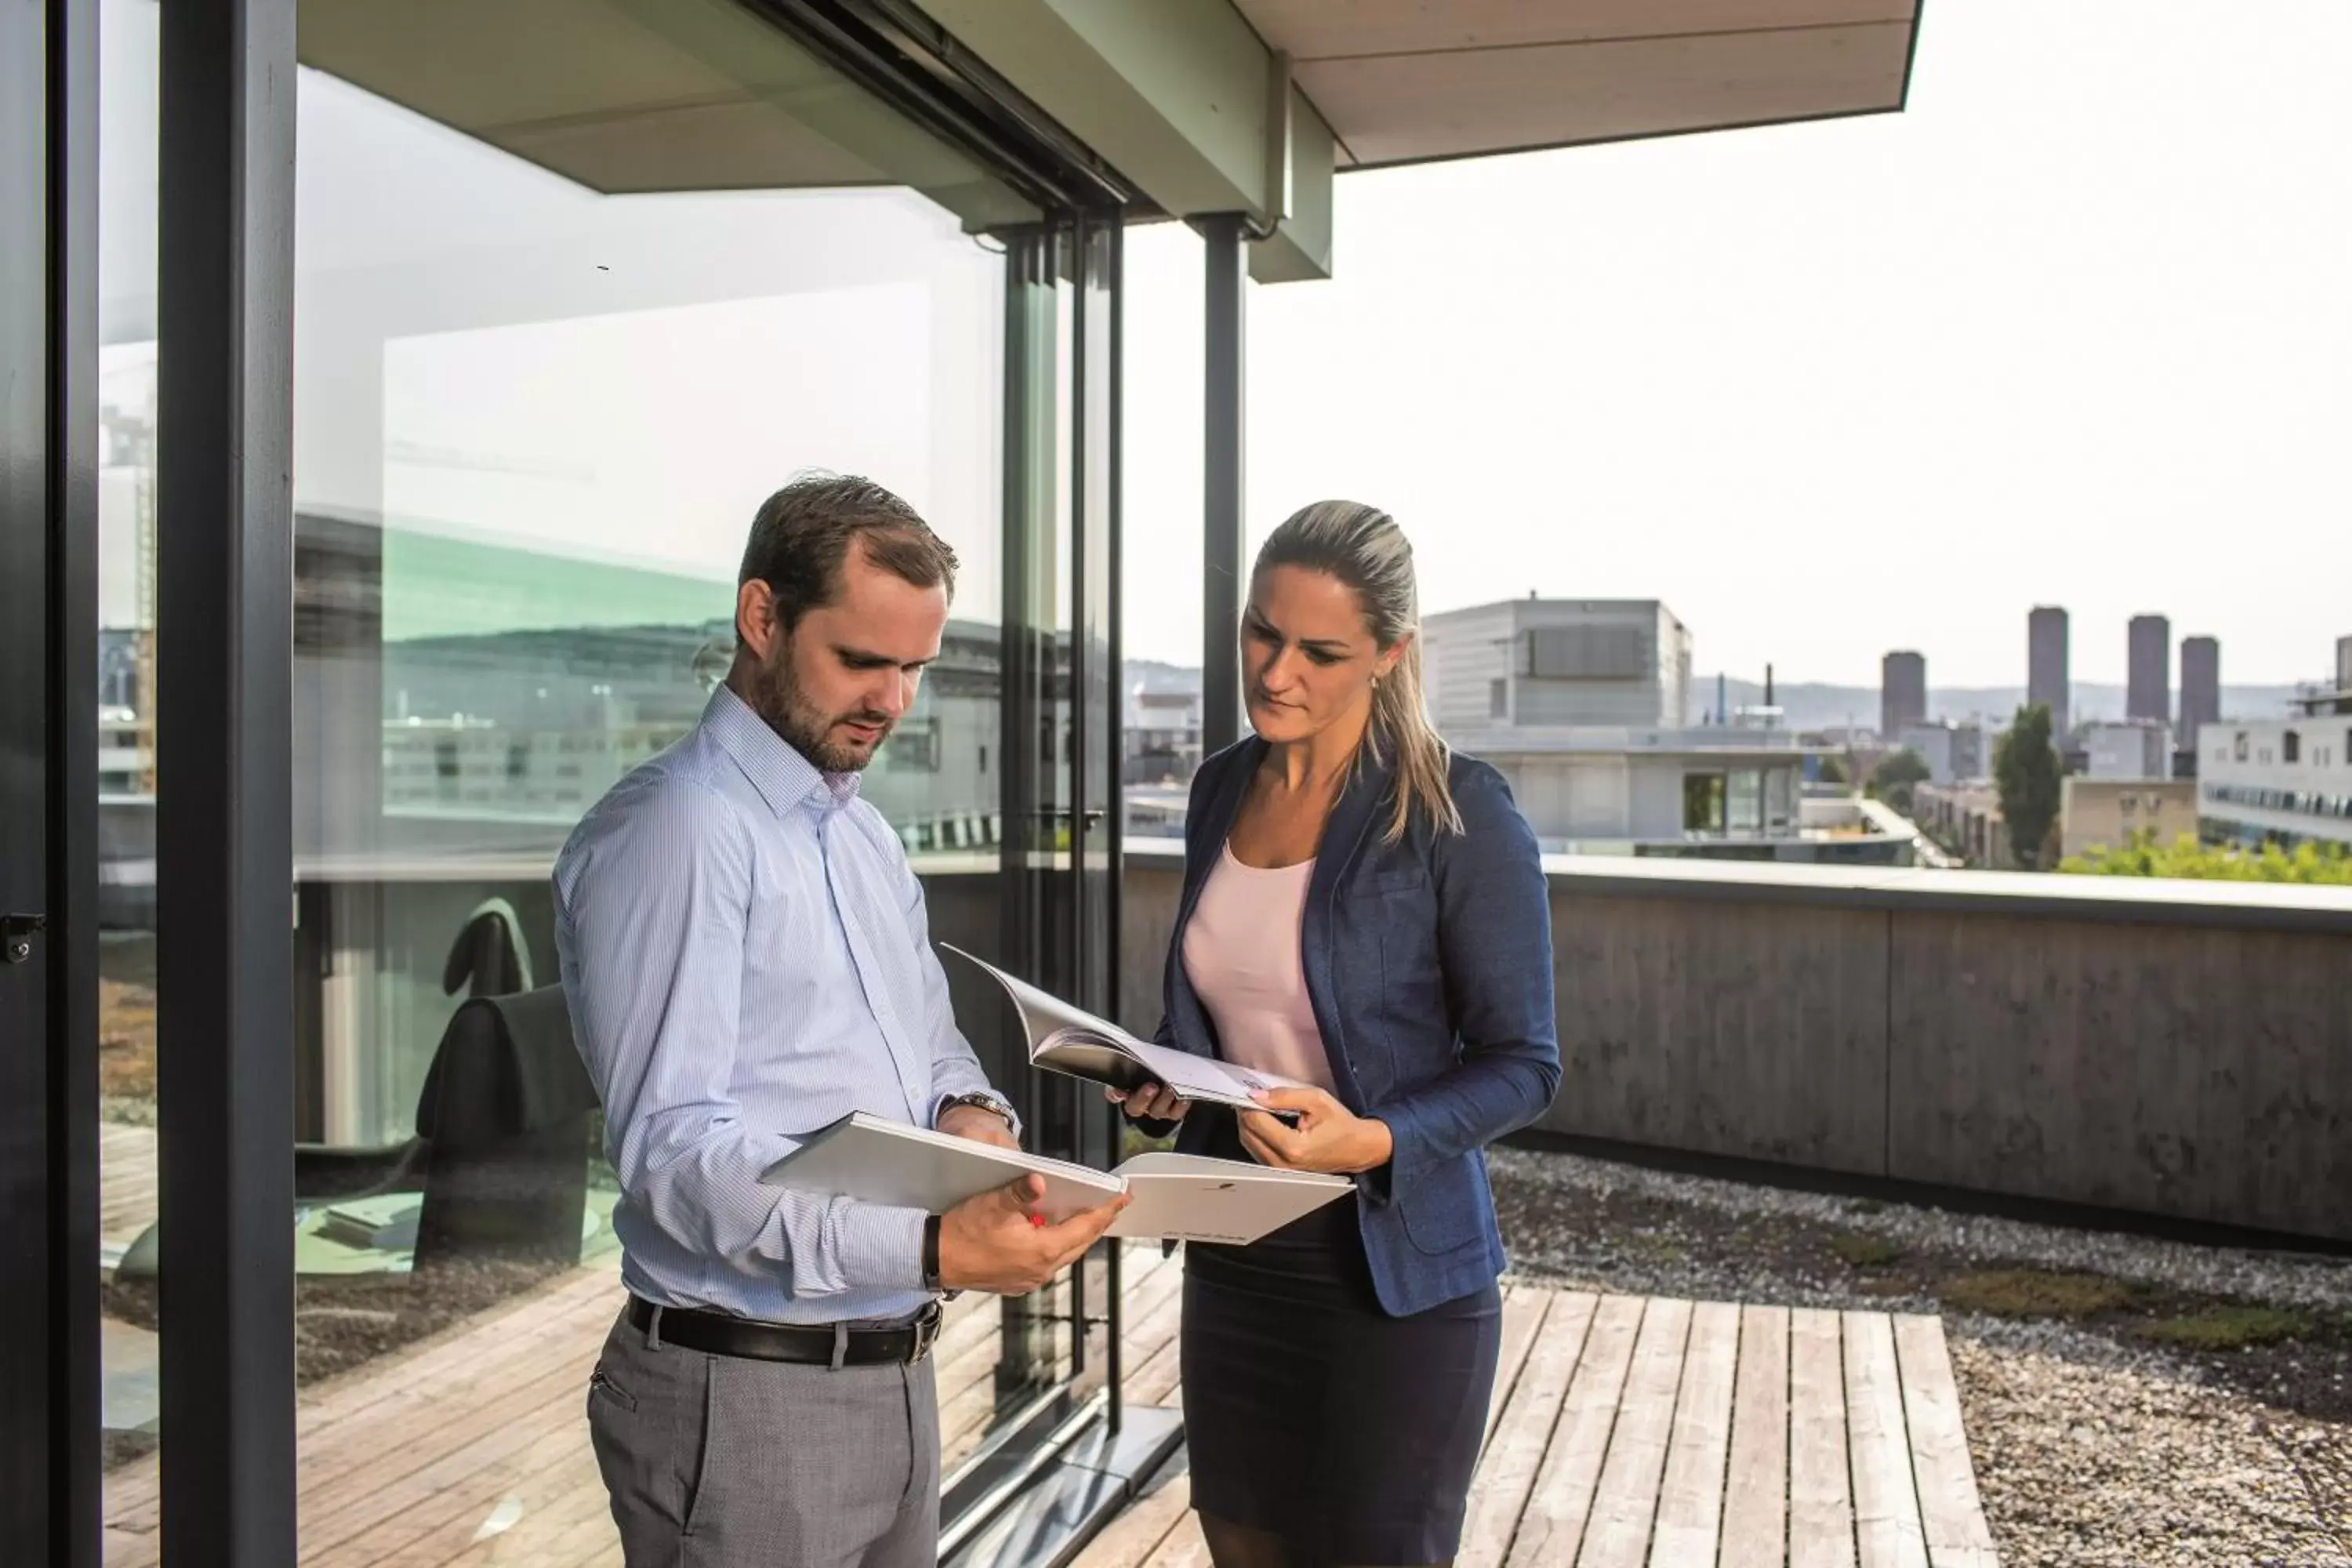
{"x":2227,"y":1328}
{"x":1868,"y":1251}
{"x":2034,"y":1293}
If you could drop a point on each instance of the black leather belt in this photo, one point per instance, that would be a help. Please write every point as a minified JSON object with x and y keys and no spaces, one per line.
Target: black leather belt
{"x":716,"y":1333}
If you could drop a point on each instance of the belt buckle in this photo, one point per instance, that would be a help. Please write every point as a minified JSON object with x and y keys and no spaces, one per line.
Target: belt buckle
{"x":927,"y":1332}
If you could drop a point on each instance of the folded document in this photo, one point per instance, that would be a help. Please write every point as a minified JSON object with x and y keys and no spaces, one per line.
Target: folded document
{"x":1071,"y":1040}
{"x":1180,"y":1197}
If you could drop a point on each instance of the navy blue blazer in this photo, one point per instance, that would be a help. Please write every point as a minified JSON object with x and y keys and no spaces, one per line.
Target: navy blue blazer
{"x":1428,"y":963}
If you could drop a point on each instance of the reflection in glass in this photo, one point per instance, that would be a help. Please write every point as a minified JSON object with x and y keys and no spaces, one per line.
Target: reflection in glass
{"x":532,"y":424}
{"x":556,"y":338}
{"x":128,"y":777}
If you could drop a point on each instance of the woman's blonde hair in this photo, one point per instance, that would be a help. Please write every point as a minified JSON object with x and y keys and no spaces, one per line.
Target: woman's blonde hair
{"x":1362,"y":547}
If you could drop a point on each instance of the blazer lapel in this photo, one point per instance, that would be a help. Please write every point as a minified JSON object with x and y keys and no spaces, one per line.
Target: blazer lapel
{"x":1343,"y":838}
{"x":1206,"y":841}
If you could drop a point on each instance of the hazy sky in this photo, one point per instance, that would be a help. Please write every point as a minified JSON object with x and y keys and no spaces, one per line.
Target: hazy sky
{"x":2074,"y":328}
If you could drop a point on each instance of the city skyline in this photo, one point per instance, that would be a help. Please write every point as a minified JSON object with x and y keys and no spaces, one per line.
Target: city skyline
{"x":1693,"y":368}
{"x":1828,"y":390}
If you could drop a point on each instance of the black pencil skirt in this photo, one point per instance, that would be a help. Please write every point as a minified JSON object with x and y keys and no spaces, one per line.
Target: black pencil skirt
{"x":1312,"y":1413}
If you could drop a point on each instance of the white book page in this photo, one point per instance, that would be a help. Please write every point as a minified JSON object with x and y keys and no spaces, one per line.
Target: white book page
{"x":1187,"y":1197}
{"x":1072,"y":1040}
{"x":876,"y":1160}
{"x":1205,"y":1078}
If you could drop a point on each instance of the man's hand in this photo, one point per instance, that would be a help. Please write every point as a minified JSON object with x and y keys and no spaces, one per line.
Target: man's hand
{"x":979,"y":1125}
{"x":997,"y":1243}
{"x":1329,"y":1138}
{"x":1151,"y":1102}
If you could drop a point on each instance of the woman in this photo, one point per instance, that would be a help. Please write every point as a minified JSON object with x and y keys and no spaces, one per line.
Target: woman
{"x":1367,"y":913}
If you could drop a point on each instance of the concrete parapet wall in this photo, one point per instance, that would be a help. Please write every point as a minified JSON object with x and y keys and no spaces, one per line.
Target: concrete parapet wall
{"x":2182,"y":1049}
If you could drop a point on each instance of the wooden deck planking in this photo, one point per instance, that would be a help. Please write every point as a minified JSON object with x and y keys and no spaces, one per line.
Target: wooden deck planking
{"x":1130,"y":1539}
{"x":1523,"y":1314}
{"x":1562,"y":1502}
{"x":1755,"y":1476}
{"x":128,"y":1181}
{"x":1507,"y":1470}
{"x":1821,"y":1506}
{"x":1620,"y":1432}
{"x":1626,"y":1506}
{"x":1951,"y":1515}
{"x":1886,"y":1503}
{"x":1690,"y":1496}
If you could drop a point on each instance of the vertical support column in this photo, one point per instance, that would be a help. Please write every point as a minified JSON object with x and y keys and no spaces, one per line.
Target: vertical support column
{"x":1110,"y":290}
{"x":223,"y":820}
{"x":1030,"y":758}
{"x":50,"y":1477}
{"x":1221,"y":584}
{"x":76,"y":1400}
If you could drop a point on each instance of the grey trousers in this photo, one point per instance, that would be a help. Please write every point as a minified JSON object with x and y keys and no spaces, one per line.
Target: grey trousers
{"x":718,"y":1462}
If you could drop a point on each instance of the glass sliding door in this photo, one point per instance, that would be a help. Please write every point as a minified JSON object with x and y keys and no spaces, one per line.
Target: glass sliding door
{"x":561,"y":318}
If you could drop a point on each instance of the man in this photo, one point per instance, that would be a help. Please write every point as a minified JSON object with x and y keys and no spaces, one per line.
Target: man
{"x":746,"y":957}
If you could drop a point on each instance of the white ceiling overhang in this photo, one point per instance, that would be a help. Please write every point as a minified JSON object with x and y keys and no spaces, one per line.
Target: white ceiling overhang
{"x":1409,"y":81}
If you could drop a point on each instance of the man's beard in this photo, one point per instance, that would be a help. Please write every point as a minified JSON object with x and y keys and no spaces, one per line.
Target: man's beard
{"x":776,"y":697}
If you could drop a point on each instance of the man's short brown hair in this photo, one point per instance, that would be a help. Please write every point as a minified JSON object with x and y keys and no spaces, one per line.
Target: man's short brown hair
{"x":802,"y":534}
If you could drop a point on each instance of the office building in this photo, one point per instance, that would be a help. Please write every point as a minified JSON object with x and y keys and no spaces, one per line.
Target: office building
{"x":1966,"y":820}
{"x":1954,"y":752}
{"x":2200,"y":688}
{"x":2283,"y":781}
{"x":1582,"y":705}
{"x":2127,"y":748}
{"x":2149,"y":688}
{"x":1901,"y":692}
{"x":2048,"y":678}
{"x":2111,"y":812}
{"x":1530,"y":663}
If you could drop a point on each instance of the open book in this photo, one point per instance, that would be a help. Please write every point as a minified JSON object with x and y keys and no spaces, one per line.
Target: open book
{"x":1179,"y":1197}
{"x":1072,"y":1040}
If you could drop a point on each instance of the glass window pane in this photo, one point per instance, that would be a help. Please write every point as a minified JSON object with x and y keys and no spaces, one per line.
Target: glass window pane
{"x":128,"y":776}
{"x":1160,"y":509}
{"x":1746,"y":796}
{"x":555,"y":342}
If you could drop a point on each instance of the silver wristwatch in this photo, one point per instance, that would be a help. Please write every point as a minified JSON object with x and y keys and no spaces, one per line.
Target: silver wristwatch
{"x":994,"y":1104}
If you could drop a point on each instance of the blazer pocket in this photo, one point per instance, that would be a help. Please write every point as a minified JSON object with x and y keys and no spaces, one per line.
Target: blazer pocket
{"x":1391,"y":883}
{"x":1442,"y":1212}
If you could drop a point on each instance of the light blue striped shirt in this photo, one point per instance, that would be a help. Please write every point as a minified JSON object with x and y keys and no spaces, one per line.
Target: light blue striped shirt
{"x":747,"y":959}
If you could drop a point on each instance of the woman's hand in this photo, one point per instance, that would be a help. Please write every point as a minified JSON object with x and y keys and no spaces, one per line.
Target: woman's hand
{"x":1329,"y":1138}
{"x":1151,"y":1102}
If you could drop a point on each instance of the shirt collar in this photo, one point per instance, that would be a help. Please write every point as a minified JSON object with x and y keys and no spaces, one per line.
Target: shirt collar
{"x":784,"y":778}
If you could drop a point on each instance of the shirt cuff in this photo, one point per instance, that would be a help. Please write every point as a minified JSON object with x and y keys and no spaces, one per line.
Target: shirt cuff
{"x":882,"y":1248}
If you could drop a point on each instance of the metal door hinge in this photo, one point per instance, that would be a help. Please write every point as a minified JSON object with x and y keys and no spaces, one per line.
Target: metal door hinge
{"x":17,"y":936}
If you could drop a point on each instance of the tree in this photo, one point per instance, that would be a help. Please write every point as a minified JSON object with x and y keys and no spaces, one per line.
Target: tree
{"x":2026,"y":770}
{"x":2328,"y":864}
{"x":1898,"y":774}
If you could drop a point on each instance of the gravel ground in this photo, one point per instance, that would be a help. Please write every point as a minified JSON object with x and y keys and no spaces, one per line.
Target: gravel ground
{"x":2094,"y":1443}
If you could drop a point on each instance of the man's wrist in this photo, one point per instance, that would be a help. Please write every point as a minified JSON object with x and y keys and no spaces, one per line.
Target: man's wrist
{"x":993,"y":1104}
